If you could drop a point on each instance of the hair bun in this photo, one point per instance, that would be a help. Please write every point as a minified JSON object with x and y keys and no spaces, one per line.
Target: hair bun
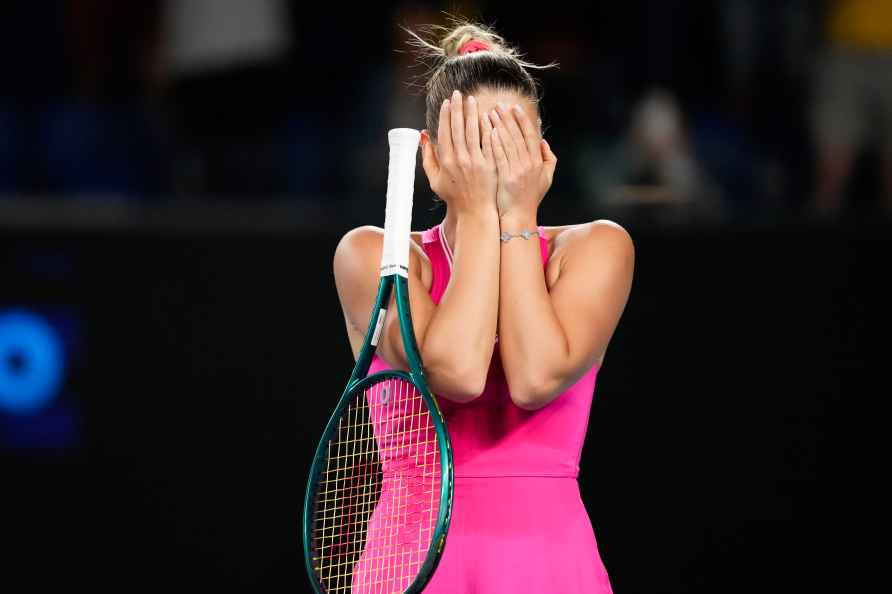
{"x":446,"y":42}
{"x":456,"y":39}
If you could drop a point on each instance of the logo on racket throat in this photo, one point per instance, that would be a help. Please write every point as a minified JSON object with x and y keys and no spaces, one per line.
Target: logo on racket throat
{"x":385,"y":395}
{"x":379,"y":324}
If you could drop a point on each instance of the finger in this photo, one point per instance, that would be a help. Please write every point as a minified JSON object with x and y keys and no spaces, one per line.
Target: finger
{"x":503,"y":166}
{"x":459,"y":145}
{"x":504,"y":137}
{"x":472,"y":127}
{"x":444,"y":135}
{"x":547,"y":155}
{"x":486,"y":136}
{"x":513,"y":129}
{"x":530,"y":134}
{"x":549,"y":159}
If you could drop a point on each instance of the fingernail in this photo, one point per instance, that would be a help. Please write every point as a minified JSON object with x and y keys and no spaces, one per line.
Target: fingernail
{"x":456,"y":94}
{"x":502,"y":107}
{"x":445,"y":104}
{"x":470,"y":98}
{"x":518,"y":109}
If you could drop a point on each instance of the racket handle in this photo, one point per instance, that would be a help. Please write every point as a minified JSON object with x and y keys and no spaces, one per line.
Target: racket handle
{"x":398,"y":212}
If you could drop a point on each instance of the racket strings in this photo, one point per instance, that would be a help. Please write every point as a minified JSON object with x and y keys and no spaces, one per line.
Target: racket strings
{"x":377,"y":505}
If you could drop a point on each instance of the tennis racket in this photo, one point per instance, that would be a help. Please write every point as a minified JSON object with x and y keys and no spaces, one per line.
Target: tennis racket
{"x":379,"y":497}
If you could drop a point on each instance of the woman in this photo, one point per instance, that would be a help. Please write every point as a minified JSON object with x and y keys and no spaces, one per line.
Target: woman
{"x":512,"y":320}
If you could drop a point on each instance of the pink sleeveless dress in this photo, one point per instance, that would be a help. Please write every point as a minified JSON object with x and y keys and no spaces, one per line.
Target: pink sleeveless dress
{"x":518,"y":522}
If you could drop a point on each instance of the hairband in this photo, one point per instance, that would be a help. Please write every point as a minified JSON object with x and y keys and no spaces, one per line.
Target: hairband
{"x":474,"y":45}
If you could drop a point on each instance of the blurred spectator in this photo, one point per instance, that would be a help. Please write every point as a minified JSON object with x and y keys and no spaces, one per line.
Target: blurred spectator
{"x":754,"y":144}
{"x":653,"y":170}
{"x":853,"y":99}
{"x":230,"y":95}
{"x":74,"y":115}
{"x":101,"y":138}
{"x":393,"y":96}
{"x":583,"y":96}
{"x":258,"y":98}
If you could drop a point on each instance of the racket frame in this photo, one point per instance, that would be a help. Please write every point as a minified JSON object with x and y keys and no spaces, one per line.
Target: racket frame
{"x":357,"y":383}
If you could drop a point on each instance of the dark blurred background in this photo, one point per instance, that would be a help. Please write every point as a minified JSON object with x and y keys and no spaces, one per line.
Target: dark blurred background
{"x":174,"y":177}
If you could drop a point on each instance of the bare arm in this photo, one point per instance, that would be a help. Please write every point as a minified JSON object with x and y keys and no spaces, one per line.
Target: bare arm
{"x":463,"y":330}
{"x":456,"y":338}
{"x":547,"y":339}
{"x":463,"y":317}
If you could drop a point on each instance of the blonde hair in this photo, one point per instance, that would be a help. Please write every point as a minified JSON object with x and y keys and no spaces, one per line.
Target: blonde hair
{"x":501,"y":67}
{"x":461,"y":31}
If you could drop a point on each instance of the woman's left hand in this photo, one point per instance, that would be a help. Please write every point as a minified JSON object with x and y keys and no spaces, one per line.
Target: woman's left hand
{"x":524,"y":161}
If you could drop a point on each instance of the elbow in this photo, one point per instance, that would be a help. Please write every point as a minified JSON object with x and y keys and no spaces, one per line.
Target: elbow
{"x":457,"y":381}
{"x":531,"y":393}
{"x":466,"y":386}
{"x":466,"y":392}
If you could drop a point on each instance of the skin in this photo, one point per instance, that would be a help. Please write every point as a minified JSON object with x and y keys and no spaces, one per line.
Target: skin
{"x":492,"y":168}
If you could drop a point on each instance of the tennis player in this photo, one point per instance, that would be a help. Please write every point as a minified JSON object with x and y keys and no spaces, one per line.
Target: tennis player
{"x":512,"y":318}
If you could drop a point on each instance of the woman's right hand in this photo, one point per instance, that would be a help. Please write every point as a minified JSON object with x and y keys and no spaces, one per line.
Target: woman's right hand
{"x":461,"y":169}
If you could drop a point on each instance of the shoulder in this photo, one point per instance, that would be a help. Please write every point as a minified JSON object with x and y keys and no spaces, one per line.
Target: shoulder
{"x":589,"y":244}
{"x":367,"y":239}
{"x":356,"y":251}
{"x":360,"y":240}
{"x":599,"y":231}
{"x":360,"y":248}
{"x":591,"y":235}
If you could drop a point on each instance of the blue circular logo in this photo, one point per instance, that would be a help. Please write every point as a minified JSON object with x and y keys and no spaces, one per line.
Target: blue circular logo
{"x":31,"y":362}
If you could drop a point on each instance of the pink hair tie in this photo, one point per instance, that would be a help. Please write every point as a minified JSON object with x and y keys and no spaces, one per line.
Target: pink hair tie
{"x":473,"y":45}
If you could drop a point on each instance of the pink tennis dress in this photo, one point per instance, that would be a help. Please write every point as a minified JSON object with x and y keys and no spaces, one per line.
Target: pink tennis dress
{"x":518,"y":523}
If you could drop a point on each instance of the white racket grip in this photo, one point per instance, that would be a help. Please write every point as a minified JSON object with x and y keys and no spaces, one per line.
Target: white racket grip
{"x":398,"y":212}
